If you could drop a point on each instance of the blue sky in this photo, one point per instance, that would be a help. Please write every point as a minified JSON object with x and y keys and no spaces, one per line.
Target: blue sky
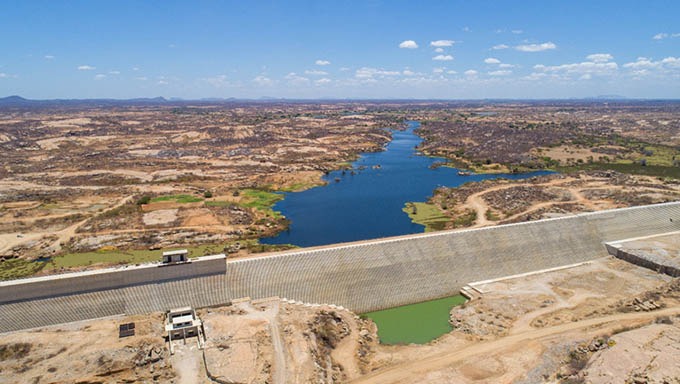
{"x":345,"y":49}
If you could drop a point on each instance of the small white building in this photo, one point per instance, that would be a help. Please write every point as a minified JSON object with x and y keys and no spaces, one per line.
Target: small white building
{"x":178,"y":256}
{"x":181,"y":323}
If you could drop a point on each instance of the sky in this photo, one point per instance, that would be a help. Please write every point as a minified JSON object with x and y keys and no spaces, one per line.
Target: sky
{"x":340,"y":49}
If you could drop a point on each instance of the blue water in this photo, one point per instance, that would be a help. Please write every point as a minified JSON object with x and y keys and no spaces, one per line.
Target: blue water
{"x":369,"y":204}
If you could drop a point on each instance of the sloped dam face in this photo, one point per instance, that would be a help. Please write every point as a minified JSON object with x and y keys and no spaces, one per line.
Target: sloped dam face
{"x":363,"y":277}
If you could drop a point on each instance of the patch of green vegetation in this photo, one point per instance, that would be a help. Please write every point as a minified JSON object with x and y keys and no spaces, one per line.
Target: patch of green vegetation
{"x":467,"y":219}
{"x":630,"y":168}
{"x":491,"y":215}
{"x":121,"y":257}
{"x":426,"y":214}
{"x":181,"y":199}
{"x":261,"y":200}
{"x":299,"y":187}
{"x":18,"y":268}
{"x":416,"y":323}
{"x":219,"y":203}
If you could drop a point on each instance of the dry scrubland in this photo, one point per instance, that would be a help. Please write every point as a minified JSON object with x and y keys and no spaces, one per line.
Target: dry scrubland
{"x":91,"y":185}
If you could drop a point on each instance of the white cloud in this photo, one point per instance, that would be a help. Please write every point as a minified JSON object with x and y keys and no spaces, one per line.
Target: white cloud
{"x":517,"y":31}
{"x":443,"y":58}
{"x":466,"y":29}
{"x":586,"y":67}
{"x":442,"y":43}
{"x":587,"y":76}
{"x":408,"y":72}
{"x":470,"y":72}
{"x":3,"y":75}
{"x":162,"y":82}
{"x":322,"y":62}
{"x":135,"y":69}
{"x":315,"y":73}
{"x":536,"y":47}
{"x":502,"y":72}
{"x":85,"y":68}
{"x":660,"y":36}
{"x":492,"y":60}
{"x":322,"y":81}
{"x":505,"y":65}
{"x":263,"y":80}
{"x":439,"y":50}
{"x":369,"y":73}
{"x":408,"y":44}
{"x":49,"y":57}
{"x":99,"y":76}
{"x":644,"y":65}
{"x":295,"y":79}
{"x":451,"y":72}
{"x":344,"y":69}
{"x":438,"y":70}
{"x":499,"y":46}
{"x":600,"y":57}
{"x":142,"y":78}
{"x":114,"y":72}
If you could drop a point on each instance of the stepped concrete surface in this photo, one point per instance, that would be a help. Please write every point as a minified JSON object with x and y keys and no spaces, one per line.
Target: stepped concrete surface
{"x":660,"y":253}
{"x":364,"y":276}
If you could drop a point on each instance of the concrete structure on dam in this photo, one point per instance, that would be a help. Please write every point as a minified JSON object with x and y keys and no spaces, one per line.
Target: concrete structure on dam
{"x":362,"y":276}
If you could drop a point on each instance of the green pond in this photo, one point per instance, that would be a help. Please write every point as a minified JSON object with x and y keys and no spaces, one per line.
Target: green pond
{"x":415,"y":323}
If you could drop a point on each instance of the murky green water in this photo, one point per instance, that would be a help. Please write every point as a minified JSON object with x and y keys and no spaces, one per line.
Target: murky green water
{"x":416,"y":323}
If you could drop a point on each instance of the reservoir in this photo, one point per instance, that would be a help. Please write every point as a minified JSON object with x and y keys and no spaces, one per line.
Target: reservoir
{"x":368,"y":204}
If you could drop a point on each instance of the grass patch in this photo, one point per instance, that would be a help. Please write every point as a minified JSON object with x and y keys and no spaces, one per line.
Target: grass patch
{"x":466,"y":219}
{"x":261,"y":200}
{"x":181,"y":199}
{"x":630,"y":168}
{"x":416,"y":323}
{"x":119,"y":257}
{"x":426,"y":214}
{"x":18,"y":268}
{"x":219,"y":203}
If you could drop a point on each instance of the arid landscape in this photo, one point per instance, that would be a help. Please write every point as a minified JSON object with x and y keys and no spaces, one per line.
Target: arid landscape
{"x":84,"y":187}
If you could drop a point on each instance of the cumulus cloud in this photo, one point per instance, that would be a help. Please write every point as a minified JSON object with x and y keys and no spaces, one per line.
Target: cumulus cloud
{"x":142,"y":78}
{"x":322,"y":81}
{"x":322,"y":62}
{"x":443,"y":58}
{"x":369,"y":73}
{"x":442,"y":43}
{"x":517,"y":31}
{"x":499,"y":46}
{"x":502,"y":72}
{"x":492,"y":60}
{"x":439,"y":50}
{"x":263,"y":80}
{"x":49,"y":57}
{"x":85,"y":68}
{"x":470,"y":72}
{"x":438,"y":70}
{"x":315,"y":73}
{"x":505,"y":65}
{"x":3,"y":75}
{"x":536,"y":47}
{"x":114,"y":72}
{"x":645,"y":66}
{"x":600,"y":57}
{"x":408,"y":44}
{"x":587,"y":67}
{"x":663,"y":35}
{"x":295,"y":79}
{"x":162,"y":82}
{"x":99,"y":76}
{"x":408,"y":72}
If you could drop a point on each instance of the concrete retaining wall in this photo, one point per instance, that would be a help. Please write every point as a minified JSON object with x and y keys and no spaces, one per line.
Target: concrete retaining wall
{"x":363,"y":277}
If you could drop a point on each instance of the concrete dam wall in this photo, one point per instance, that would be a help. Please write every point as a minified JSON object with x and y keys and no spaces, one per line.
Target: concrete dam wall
{"x":364,"y":276}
